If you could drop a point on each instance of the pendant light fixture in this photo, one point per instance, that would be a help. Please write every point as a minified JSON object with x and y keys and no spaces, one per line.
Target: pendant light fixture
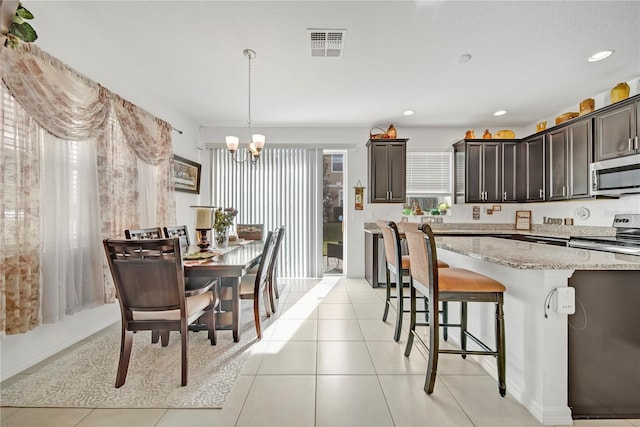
{"x":257,"y":140}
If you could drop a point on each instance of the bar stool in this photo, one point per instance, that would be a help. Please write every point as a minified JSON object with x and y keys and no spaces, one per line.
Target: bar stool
{"x":451,"y":284}
{"x":393,"y":254}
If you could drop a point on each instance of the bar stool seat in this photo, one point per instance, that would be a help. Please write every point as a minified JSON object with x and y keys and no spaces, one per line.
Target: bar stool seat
{"x":451,"y":284}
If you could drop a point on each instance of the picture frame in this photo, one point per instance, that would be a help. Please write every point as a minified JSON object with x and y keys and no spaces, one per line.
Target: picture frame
{"x":186,"y":174}
{"x":523,"y":220}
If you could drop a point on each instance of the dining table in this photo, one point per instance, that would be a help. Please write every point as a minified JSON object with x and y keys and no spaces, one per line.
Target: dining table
{"x":228,"y":265}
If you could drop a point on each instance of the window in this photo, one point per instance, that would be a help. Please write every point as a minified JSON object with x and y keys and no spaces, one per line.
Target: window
{"x":336,"y":163}
{"x":428,"y":178}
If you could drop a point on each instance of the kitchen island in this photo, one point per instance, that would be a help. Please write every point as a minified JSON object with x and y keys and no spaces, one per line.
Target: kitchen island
{"x":536,"y":334}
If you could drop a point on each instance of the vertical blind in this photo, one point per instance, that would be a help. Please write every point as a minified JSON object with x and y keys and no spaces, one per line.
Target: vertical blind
{"x":428,"y":172}
{"x":282,"y":188}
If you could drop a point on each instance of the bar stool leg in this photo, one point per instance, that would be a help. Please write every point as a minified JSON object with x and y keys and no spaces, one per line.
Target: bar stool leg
{"x":388,"y":300}
{"x":500,"y":345}
{"x":434,"y":347}
{"x":463,"y":327}
{"x":445,"y":320}
{"x":412,"y":322}
{"x":399,"y":305}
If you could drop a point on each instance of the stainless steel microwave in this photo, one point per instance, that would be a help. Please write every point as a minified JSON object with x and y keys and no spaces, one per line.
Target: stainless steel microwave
{"x":616,"y":176}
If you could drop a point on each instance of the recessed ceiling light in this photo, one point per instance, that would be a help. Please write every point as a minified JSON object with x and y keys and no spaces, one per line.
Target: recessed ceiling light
{"x":600,"y":56}
{"x":500,"y":113}
{"x":408,"y":113}
{"x":463,"y":59}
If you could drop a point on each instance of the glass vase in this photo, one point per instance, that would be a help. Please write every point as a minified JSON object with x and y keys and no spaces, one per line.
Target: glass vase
{"x":221,"y":238}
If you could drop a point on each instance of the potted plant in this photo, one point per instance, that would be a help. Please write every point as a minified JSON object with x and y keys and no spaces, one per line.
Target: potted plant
{"x":14,"y":25}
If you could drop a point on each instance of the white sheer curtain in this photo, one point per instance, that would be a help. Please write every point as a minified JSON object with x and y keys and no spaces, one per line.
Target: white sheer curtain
{"x":70,"y":220}
{"x":283,"y":188}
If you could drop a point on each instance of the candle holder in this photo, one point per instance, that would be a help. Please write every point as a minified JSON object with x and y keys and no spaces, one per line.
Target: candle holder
{"x":202,"y":234}
{"x":204,"y":224}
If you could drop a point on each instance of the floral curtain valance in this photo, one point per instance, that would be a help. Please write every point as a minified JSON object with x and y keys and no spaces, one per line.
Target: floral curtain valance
{"x":41,"y":83}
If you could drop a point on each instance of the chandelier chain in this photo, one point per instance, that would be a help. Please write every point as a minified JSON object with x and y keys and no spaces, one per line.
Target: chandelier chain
{"x":249,"y":120}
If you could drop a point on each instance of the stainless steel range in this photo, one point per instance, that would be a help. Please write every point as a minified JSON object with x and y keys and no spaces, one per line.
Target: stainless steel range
{"x":626,"y":240}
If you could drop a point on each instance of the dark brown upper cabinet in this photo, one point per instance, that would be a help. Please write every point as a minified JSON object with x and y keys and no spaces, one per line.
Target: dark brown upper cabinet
{"x":485,"y":171}
{"x":533,"y":170}
{"x":617,"y":130}
{"x":387,"y":177}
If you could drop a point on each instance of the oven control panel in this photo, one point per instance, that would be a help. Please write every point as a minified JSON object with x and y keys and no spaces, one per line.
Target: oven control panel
{"x":626,"y":221}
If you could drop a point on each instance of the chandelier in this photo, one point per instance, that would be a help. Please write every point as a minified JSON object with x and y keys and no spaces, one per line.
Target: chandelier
{"x":257,"y":140}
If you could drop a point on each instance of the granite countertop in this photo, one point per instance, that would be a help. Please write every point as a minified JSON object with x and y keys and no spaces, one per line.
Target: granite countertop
{"x":535,"y":256}
{"x":559,"y":231}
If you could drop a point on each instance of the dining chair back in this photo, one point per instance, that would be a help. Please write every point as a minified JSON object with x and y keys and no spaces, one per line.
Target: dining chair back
{"x":143,"y":233}
{"x":252,"y":287}
{"x":274,"y":293}
{"x":451,"y":284}
{"x":250,"y":231}
{"x":149,"y":279}
{"x":179,"y":231}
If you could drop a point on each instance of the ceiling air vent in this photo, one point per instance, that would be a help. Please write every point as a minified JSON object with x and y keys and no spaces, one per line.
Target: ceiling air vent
{"x":326,"y":43}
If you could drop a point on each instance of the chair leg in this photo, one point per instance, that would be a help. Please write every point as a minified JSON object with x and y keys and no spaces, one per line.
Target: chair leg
{"x":399,"y":305}
{"x":500,"y":345}
{"x":164,"y":338}
{"x":412,"y":322}
{"x":388,"y":298}
{"x":434,"y":347}
{"x":267,"y":301}
{"x":463,"y":327}
{"x":445,"y":320}
{"x":211,"y":326}
{"x":256,"y":317}
{"x":155,"y":336}
{"x":125,"y":353}
{"x":273,"y":286}
{"x":184,"y":337}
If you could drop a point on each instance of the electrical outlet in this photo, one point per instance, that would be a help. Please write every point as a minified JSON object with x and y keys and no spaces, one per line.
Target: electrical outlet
{"x":566,"y":300}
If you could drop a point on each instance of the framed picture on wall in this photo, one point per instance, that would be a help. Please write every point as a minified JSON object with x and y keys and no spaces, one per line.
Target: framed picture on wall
{"x":186,"y":175}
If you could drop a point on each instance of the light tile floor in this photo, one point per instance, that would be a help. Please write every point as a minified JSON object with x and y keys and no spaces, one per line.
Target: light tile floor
{"x":328,"y":360}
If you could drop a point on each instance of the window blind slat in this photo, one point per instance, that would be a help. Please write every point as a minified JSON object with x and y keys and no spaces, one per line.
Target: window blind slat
{"x":428,"y":172}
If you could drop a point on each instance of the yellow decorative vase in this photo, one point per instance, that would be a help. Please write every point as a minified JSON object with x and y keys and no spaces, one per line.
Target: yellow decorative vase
{"x":620,"y":92}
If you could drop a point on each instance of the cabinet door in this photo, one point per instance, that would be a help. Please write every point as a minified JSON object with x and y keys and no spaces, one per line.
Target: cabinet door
{"x":474,"y":172}
{"x":509,"y":171}
{"x":534,"y":169}
{"x":615,"y":133}
{"x":492,"y":172}
{"x":378,"y":173}
{"x":580,"y":143}
{"x":397,"y":172}
{"x":556,"y":160}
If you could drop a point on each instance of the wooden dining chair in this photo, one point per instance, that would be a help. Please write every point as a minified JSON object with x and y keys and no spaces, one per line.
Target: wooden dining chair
{"x":143,"y":233}
{"x":149,"y":279}
{"x":451,"y":284}
{"x":394,"y":258}
{"x":179,"y":231}
{"x":253,"y":287}
{"x":250,"y":231}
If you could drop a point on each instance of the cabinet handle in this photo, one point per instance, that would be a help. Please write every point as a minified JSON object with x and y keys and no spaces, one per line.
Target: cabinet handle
{"x":541,"y":193}
{"x":504,"y":196}
{"x":390,"y":194}
{"x":630,"y":144}
{"x":635,"y":142}
{"x":564,"y":191}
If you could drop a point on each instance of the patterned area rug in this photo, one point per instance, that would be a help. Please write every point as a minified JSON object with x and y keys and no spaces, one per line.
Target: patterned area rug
{"x":85,"y":377}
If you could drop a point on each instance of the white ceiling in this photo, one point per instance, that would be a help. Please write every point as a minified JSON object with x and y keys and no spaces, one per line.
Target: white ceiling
{"x":527,"y":57}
